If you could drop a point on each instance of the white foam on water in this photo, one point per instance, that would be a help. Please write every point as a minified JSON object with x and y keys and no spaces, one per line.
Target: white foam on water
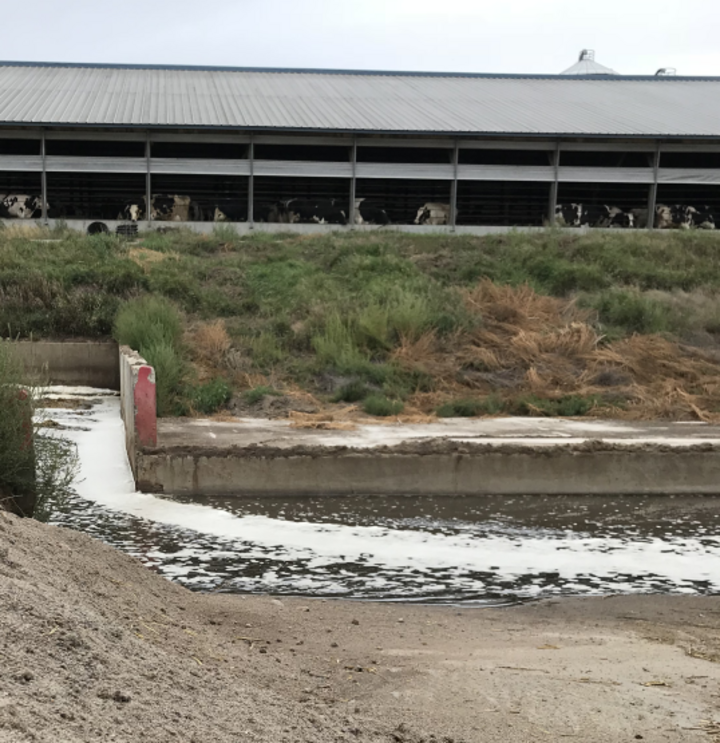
{"x":106,"y":479}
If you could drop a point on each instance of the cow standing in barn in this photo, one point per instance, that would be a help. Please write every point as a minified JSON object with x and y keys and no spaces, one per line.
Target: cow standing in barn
{"x":370,"y":212}
{"x":578,"y":215}
{"x":20,"y":206}
{"x":433,"y":213}
{"x":163,"y":209}
{"x":317,"y":211}
{"x":230,"y":211}
{"x":680,"y":216}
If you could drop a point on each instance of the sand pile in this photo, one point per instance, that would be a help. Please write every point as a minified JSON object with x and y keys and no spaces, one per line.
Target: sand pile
{"x":93,"y":646}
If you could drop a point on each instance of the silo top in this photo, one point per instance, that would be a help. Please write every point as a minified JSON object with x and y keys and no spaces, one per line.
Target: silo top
{"x":586,"y":65}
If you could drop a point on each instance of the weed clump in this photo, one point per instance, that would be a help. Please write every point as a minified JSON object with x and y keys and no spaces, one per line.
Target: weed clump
{"x":630,"y":311}
{"x":210,"y":397}
{"x":256,"y":394}
{"x":37,"y":470}
{"x":352,"y":392}
{"x":470,"y":408}
{"x":381,"y":406}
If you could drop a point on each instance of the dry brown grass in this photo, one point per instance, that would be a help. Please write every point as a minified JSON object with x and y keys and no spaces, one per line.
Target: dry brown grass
{"x":145,"y":257}
{"x":209,"y":343}
{"x":528,"y":344}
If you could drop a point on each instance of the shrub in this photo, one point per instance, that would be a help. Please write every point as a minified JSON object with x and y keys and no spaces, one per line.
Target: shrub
{"x":335,"y":346}
{"x":258,"y":393}
{"x":152,"y":326}
{"x":266,"y":350}
{"x":171,"y":372}
{"x":631,"y":311}
{"x":381,"y":406}
{"x":352,"y":392}
{"x":17,"y":459}
{"x":56,"y":466}
{"x":210,"y":397}
{"x":33,"y":465}
{"x":148,"y":320}
{"x":469,"y":408}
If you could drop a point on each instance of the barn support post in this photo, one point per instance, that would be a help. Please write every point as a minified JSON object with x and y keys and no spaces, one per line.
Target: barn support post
{"x":454,"y":186}
{"x":43,"y":180}
{"x":148,"y":180}
{"x":652,"y":191}
{"x":251,"y":183}
{"x":554,"y":186}
{"x":353,"y":183}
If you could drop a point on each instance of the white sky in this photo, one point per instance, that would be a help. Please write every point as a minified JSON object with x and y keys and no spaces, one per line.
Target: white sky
{"x":541,"y":36}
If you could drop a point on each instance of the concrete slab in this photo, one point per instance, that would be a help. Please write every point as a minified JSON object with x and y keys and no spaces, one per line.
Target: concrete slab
{"x":499,"y":456}
{"x":540,"y":432}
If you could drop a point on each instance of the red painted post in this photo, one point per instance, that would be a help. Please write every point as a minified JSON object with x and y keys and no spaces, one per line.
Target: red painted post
{"x":145,"y":408}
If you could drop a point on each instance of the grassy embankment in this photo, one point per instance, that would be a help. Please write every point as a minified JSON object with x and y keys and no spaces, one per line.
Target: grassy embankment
{"x":620,"y":324}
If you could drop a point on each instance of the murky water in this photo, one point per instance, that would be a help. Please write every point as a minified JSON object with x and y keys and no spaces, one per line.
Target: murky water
{"x":412,"y":549}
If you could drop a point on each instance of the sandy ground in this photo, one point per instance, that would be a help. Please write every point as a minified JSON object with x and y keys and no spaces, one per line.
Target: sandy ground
{"x":95,"y":647}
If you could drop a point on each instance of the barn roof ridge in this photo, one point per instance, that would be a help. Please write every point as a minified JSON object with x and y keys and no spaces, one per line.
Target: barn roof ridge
{"x":275,"y":99}
{"x":356,"y":72}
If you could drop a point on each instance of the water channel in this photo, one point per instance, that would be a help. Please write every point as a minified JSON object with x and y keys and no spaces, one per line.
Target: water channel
{"x":441,"y":550}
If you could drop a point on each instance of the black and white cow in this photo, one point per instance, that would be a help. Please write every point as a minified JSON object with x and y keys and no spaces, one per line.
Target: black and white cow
{"x":674,"y":216}
{"x":315,"y":211}
{"x":164,"y":208}
{"x":433,"y":213}
{"x":230,"y":211}
{"x":680,"y":216}
{"x":578,"y":215}
{"x":20,"y":206}
{"x":568,"y":215}
{"x":370,"y":212}
{"x":703,"y":218}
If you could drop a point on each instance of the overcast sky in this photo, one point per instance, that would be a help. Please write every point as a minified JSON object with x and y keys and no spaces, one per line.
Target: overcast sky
{"x":540,"y":36}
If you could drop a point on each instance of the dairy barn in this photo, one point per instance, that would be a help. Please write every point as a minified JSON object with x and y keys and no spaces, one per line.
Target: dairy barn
{"x":416,"y":151}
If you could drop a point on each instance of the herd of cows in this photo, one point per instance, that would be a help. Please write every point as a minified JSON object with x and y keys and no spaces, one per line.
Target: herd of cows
{"x":666,"y":217}
{"x":175,"y":208}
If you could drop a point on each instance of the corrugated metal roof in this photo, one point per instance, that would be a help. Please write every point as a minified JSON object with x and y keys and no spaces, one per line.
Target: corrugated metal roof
{"x":133,"y":96}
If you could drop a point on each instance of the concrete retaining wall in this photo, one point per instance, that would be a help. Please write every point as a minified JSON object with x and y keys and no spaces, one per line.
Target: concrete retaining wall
{"x":74,"y":363}
{"x":138,"y":404}
{"x":243,"y":228}
{"x":557,"y":470}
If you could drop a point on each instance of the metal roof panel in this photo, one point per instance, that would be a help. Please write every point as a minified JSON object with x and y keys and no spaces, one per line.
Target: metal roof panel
{"x":422,"y":103}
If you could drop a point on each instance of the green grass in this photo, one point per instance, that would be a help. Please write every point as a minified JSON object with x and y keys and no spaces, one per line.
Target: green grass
{"x":381,"y":406}
{"x":298,"y":308}
{"x":210,"y":397}
{"x":631,"y":311}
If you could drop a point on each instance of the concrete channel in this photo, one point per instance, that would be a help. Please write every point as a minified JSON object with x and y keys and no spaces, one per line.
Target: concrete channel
{"x":505,"y":456}
{"x":453,"y":457}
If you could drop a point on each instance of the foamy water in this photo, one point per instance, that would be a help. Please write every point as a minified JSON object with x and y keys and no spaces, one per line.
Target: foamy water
{"x":413,"y":548}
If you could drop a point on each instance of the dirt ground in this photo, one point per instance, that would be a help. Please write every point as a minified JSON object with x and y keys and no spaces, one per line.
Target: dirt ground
{"x":95,"y":647}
